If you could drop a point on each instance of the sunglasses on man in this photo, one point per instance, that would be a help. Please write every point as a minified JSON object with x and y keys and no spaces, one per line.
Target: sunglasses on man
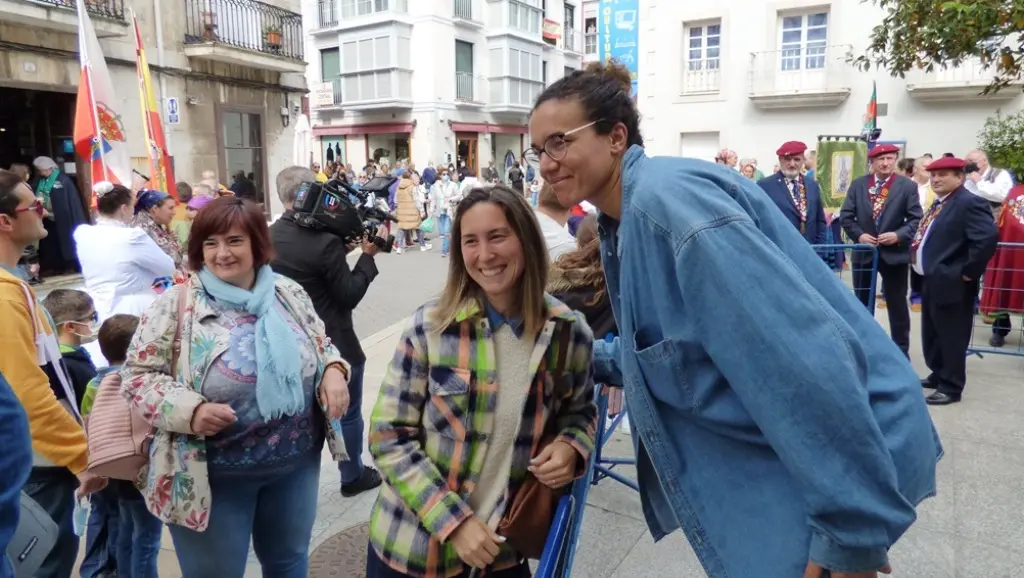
{"x":36,"y":206}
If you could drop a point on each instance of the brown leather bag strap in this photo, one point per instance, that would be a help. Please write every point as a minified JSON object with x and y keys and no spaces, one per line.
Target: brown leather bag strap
{"x":176,"y":343}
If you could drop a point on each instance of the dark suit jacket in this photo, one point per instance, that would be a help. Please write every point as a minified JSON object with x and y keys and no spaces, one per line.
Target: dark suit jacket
{"x":775,"y":186}
{"x":316,"y":260}
{"x":901,"y":215}
{"x":961,"y":240}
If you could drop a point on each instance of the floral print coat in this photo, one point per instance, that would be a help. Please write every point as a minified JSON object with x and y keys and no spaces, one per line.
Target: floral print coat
{"x":175,"y":483}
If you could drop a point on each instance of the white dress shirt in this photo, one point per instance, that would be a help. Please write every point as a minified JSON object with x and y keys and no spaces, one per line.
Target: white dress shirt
{"x":993,"y":186}
{"x":919,"y":256}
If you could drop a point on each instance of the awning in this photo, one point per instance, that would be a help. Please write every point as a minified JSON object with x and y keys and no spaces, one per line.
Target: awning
{"x":361,"y":129}
{"x":487,"y":128}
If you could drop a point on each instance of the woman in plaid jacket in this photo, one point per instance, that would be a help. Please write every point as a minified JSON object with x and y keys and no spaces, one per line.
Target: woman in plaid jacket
{"x":470,"y":391}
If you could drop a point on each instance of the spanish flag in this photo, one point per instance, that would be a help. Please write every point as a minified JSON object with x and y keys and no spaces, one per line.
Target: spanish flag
{"x":162,"y":175}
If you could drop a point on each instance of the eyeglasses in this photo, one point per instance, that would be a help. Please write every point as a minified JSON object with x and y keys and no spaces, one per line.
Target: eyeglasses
{"x":556,"y":146}
{"x":36,"y":206}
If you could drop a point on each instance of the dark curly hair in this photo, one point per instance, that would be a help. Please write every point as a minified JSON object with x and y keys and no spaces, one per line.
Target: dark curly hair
{"x":604,"y":91}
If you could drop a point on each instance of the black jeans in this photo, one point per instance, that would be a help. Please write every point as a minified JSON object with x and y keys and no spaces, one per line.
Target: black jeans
{"x":894,"y":290}
{"x":376,"y":568}
{"x":54,"y":490}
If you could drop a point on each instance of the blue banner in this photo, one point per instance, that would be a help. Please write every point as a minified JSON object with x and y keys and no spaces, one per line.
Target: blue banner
{"x":618,"y":33}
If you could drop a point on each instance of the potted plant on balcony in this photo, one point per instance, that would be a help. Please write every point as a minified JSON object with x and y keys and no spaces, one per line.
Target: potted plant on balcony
{"x":272,"y":37}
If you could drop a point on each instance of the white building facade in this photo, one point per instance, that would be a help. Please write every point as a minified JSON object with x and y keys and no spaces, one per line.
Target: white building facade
{"x":750,"y":74}
{"x":230,"y":72}
{"x":433,"y":80}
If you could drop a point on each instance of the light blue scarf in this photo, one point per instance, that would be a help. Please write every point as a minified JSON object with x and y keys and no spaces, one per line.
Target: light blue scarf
{"x":279,"y":388}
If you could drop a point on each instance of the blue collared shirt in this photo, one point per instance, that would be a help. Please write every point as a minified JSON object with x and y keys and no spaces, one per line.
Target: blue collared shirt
{"x":774,"y":419}
{"x":496,"y":320}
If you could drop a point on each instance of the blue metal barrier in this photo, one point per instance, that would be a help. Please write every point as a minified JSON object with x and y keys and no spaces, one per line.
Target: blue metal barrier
{"x":560,"y":539}
{"x":602,"y":466}
{"x":998,"y":326}
{"x":862,"y":279}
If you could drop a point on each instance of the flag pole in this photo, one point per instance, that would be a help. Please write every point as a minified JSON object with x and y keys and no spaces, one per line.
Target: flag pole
{"x":82,"y":15}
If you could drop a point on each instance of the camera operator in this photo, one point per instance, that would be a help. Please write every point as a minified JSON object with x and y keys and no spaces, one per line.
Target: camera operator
{"x":316,"y":260}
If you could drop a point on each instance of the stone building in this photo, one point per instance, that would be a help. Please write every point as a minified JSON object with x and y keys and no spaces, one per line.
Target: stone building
{"x":232,"y":70}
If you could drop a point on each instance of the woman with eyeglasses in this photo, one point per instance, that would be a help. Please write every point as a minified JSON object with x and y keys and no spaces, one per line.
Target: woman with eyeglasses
{"x":775,"y":422}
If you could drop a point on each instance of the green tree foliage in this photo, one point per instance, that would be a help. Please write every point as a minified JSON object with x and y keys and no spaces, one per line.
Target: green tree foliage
{"x":1002,"y":139}
{"x":930,"y":34}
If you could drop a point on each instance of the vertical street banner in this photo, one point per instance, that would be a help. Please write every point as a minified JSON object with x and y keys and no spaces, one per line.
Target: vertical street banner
{"x":840,"y":160}
{"x":618,"y":34}
{"x":99,"y":132}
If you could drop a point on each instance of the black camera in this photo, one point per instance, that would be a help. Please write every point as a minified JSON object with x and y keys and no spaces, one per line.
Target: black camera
{"x":344,"y":211}
{"x":971,"y":168}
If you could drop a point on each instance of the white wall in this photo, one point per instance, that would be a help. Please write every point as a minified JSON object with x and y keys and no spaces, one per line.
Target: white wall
{"x":750,"y":26}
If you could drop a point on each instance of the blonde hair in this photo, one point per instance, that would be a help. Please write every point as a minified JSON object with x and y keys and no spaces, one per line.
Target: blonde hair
{"x":461,"y":291}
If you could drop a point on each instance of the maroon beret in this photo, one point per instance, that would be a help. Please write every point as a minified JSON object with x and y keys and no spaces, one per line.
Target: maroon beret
{"x":947,"y":163}
{"x":793,"y":147}
{"x":882,"y":149}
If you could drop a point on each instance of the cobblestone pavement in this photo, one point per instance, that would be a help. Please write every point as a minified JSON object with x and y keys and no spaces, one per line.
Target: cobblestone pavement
{"x":404,"y":283}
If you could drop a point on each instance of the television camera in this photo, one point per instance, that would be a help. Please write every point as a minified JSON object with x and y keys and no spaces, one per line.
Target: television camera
{"x":349,"y":213}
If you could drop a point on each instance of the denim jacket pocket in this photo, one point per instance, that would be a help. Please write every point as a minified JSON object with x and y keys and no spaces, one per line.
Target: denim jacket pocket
{"x":447,"y":409}
{"x":662,"y":370}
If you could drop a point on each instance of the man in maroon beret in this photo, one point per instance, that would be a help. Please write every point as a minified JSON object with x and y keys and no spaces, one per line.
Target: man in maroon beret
{"x":797,"y":196}
{"x":950,"y":250}
{"x":882,"y":210}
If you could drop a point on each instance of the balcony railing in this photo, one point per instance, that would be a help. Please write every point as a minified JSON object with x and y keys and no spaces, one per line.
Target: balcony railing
{"x":375,"y":86}
{"x":518,"y":93}
{"x":336,"y":89}
{"x":590,"y":43}
{"x":245,"y":24}
{"x":112,"y":9}
{"x":968,"y":80}
{"x":570,"y":40}
{"x":469,"y":88}
{"x":327,"y":13}
{"x":804,"y":69}
{"x":463,"y":9}
{"x":702,"y":77}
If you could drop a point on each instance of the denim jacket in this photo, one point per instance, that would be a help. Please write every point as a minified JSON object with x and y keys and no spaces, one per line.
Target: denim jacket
{"x":774,"y":420}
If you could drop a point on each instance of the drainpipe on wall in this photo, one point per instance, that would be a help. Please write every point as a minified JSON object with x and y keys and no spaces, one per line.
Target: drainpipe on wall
{"x":161,"y":61}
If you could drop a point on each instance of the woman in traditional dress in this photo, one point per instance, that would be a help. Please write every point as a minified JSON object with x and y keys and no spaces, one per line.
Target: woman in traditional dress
{"x":154,"y":211}
{"x":1003,"y":291}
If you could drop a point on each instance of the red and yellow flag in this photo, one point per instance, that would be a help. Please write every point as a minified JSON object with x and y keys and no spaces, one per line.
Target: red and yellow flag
{"x":161,"y":173}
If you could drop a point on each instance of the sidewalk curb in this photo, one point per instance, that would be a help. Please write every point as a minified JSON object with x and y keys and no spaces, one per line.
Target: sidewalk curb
{"x":384,"y":334}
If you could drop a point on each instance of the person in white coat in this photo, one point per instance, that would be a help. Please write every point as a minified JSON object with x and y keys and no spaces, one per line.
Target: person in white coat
{"x":123,"y":268}
{"x":444,"y":195}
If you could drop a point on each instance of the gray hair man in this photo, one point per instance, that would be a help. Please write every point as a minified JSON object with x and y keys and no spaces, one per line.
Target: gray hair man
{"x":317,"y":260}
{"x":988,"y":182}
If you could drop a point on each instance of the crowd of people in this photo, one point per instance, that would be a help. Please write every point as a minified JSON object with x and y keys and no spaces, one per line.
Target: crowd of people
{"x":230,"y":340}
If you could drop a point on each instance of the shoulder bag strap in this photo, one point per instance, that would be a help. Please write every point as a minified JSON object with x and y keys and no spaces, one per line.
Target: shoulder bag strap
{"x":563,"y":348}
{"x":176,"y":344}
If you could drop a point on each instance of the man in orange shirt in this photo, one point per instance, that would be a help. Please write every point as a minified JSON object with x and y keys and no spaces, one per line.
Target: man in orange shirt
{"x":30,"y":360}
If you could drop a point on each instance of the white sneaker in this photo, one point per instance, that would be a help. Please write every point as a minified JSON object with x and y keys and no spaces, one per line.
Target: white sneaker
{"x":426,"y":247}
{"x":399,"y":251}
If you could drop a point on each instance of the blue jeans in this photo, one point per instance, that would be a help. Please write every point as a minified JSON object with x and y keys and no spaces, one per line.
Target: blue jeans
{"x":101,"y":535}
{"x":352,"y":427}
{"x":54,"y":490}
{"x":138,"y":540}
{"x":276,"y":510}
{"x":444,"y":228}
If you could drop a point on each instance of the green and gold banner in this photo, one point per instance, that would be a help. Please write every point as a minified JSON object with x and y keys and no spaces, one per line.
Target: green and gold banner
{"x":840,"y":160}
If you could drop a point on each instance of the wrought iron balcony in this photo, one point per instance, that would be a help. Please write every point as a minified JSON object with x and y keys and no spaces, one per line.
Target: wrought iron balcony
{"x":463,"y":9}
{"x":243,"y":26}
{"x":570,"y":40}
{"x":112,"y":9}
{"x":469,"y":89}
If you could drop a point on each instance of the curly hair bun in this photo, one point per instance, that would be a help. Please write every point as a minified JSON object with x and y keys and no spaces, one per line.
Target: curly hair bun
{"x":613,"y":70}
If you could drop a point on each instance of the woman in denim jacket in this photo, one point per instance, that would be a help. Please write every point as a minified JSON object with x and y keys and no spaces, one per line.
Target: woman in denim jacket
{"x":240,"y":421}
{"x":776,"y":424}
{"x":473,"y":384}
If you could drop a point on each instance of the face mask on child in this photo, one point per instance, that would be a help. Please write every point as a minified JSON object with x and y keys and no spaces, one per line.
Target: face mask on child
{"x":86,"y":332}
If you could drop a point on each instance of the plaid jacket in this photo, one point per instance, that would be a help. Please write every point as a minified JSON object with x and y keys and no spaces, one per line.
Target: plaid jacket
{"x":430,"y":426}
